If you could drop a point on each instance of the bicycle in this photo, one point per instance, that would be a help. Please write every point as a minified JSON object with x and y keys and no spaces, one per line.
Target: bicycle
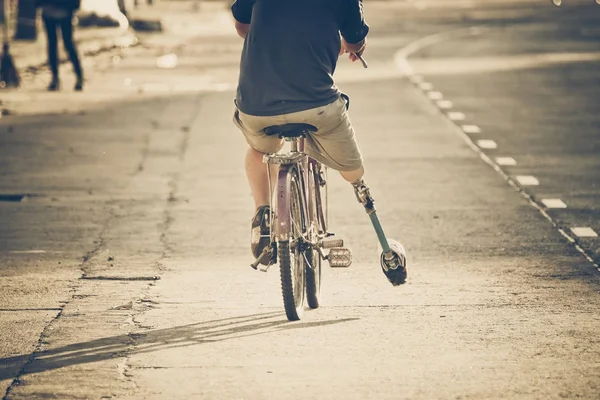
{"x":299,"y":224}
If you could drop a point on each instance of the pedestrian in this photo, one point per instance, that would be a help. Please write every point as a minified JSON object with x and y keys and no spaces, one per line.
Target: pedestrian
{"x":58,"y":15}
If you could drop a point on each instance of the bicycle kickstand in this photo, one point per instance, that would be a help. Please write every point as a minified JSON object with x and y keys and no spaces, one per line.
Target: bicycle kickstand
{"x":393,"y":256}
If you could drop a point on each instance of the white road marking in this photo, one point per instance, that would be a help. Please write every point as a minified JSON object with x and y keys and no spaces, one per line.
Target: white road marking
{"x":167,"y":61}
{"x":27,"y":251}
{"x":155,"y":87}
{"x":127,"y":81}
{"x":452,"y":66}
{"x":471,"y":129}
{"x":506,"y":161}
{"x":435,"y":95}
{"x":401,"y":60}
{"x":426,"y":86}
{"x":416,"y":79}
{"x":584,"y":231}
{"x":487,"y":144}
{"x":401,"y":56}
{"x":444,"y":104}
{"x":190,"y":87}
{"x":554,"y":203}
{"x":527,"y":180}
{"x":456,"y":116}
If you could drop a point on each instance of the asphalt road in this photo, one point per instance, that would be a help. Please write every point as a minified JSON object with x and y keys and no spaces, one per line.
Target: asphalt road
{"x":531,"y":86}
{"x":124,"y":267}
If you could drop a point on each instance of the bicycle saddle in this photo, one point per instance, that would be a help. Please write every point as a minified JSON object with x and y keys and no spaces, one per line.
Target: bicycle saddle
{"x":289,"y":130}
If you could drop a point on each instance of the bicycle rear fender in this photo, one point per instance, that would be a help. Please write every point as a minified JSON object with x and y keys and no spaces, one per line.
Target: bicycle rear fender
{"x":283,"y":199}
{"x":282,"y":216}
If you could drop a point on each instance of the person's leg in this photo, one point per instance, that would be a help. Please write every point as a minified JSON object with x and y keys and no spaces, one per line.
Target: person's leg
{"x":353,"y":176}
{"x":51,"y":35}
{"x":334,"y":144}
{"x":258,"y":178}
{"x":66,"y":26}
{"x":256,"y":172}
{"x":259,"y":145}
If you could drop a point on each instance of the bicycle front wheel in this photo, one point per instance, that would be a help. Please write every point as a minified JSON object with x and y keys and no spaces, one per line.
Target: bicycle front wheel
{"x":317,"y":224}
{"x":291,"y":258}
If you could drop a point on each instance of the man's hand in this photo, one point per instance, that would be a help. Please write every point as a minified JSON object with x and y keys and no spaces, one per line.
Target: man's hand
{"x":355,"y":49}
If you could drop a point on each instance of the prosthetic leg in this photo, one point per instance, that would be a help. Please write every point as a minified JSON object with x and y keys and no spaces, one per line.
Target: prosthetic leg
{"x":393,"y":256}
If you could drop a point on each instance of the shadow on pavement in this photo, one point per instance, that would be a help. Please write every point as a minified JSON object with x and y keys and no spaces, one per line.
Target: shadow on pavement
{"x":154,"y":340}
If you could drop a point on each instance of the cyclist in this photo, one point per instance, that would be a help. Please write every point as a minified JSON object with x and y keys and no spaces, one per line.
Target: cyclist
{"x":286,"y":76}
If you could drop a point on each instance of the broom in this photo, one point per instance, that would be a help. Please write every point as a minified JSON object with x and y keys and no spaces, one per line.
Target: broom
{"x":9,"y":75}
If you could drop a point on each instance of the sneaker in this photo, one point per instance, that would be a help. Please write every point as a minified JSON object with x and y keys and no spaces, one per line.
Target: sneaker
{"x":78,"y":85}
{"x":261,"y":231}
{"x":54,"y":85}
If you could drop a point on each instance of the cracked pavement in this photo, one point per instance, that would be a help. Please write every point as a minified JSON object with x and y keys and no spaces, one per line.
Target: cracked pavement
{"x":125,"y":268}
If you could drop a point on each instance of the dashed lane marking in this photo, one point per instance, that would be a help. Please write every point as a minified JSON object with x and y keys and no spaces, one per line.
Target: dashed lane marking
{"x":401,"y":60}
{"x":471,"y":129}
{"x":416,"y":79}
{"x":426,"y":86}
{"x":27,"y":251}
{"x":435,"y":95}
{"x":191,"y":87}
{"x":456,"y":116}
{"x":444,"y":104}
{"x":487,"y":144}
{"x":554,"y":203}
{"x":527,"y":180}
{"x":582,"y":231}
{"x":506,"y":161}
{"x":167,"y":61}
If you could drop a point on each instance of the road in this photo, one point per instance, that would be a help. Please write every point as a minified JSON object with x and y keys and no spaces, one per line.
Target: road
{"x":125,"y":216}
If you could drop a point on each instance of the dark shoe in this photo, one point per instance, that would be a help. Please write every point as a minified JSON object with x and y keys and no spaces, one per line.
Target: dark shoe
{"x":261,"y":233}
{"x":54,"y":85}
{"x":79,"y":85}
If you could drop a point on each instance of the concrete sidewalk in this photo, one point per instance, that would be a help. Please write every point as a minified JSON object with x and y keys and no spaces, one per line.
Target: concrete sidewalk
{"x":178,"y":18}
{"x":104,"y":48}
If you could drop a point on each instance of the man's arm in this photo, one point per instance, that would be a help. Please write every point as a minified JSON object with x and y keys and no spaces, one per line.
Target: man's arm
{"x":242,"y":29}
{"x":353,"y":29}
{"x":242,"y":12}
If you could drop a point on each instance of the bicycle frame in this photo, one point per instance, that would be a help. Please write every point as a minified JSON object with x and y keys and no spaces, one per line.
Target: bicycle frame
{"x":305,"y":164}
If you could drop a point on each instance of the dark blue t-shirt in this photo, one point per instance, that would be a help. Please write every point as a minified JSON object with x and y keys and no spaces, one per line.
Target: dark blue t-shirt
{"x":291,"y":50}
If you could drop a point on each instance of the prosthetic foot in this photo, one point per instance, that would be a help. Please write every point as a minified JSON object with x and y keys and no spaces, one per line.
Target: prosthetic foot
{"x":393,"y":256}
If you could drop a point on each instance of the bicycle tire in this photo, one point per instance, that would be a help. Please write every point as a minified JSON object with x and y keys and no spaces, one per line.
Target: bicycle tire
{"x":291,"y":258}
{"x":314,"y":275}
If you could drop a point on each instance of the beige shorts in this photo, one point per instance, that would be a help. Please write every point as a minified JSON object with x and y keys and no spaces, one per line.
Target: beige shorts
{"x":333,"y":144}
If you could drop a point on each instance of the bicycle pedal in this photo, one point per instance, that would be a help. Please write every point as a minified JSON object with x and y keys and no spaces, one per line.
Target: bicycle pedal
{"x":329,"y":243}
{"x":264,"y":257}
{"x":339,"y":257}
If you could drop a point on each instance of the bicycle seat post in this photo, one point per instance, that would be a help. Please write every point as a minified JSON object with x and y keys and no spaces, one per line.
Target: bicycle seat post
{"x":297,"y":143}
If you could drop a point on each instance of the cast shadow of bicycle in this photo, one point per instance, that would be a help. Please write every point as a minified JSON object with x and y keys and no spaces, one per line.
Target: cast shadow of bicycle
{"x":154,"y":340}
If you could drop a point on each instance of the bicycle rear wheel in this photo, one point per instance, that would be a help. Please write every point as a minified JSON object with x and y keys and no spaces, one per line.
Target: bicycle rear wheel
{"x":291,"y":258}
{"x":318,"y":229}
